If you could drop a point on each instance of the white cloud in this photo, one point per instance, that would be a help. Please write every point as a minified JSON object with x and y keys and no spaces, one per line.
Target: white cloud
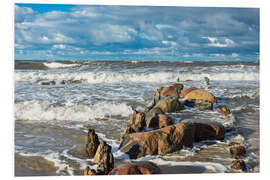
{"x":219,"y":42}
{"x":59,"y":46}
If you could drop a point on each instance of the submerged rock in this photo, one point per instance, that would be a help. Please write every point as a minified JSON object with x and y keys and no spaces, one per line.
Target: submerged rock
{"x":207,"y":81}
{"x":89,"y":172}
{"x":238,"y":164}
{"x":200,"y":94}
{"x":140,"y":167}
{"x":238,"y":150}
{"x":199,"y":104}
{"x":225,"y":111}
{"x":92,"y":143}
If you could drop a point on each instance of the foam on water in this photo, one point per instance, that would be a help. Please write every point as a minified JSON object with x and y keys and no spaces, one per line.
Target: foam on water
{"x":55,"y":65}
{"x":117,"y":77}
{"x":215,"y":167}
{"x":45,"y":111}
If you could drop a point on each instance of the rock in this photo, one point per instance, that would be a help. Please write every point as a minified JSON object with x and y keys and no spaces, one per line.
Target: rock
{"x":137,"y":121}
{"x":207,"y":130}
{"x":161,"y":141}
{"x":199,"y":104}
{"x":256,"y":168}
{"x":159,"y":121}
{"x":233,"y":143}
{"x":169,"y":91}
{"x":200,"y":94}
{"x":48,"y":83}
{"x":92,"y":143}
{"x":206,"y":79}
{"x":140,"y":167}
{"x":172,"y":91}
{"x":238,"y":150}
{"x":184,"y":92}
{"x":170,"y":105}
{"x":225,"y":111}
{"x":178,"y":86}
{"x":238,"y":164}
{"x":89,"y":172}
{"x":104,"y":158}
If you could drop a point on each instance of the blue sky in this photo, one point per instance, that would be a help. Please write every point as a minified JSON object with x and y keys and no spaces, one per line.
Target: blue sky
{"x":89,"y":32}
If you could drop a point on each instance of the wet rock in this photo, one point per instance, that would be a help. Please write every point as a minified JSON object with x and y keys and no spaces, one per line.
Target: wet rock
{"x":207,"y":81}
{"x":102,"y":150}
{"x":256,"y":168}
{"x":161,"y":141}
{"x":48,"y":83}
{"x":225,"y":111}
{"x":200,"y":94}
{"x":89,"y":172}
{"x":70,"y":82}
{"x":199,"y":104}
{"x":233,"y":143}
{"x":184,"y":92}
{"x":207,"y":130}
{"x":238,"y":164}
{"x":106,"y":164}
{"x":173,"y":91}
{"x":169,"y":91}
{"x":141,"y":167}
{"x":170,"y":105}
{"x":92,"y":143}
{"x":159,"y":121}
{"x":238,"y":150}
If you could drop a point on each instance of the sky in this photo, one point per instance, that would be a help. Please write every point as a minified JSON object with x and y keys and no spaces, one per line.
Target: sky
{"x":103,"y":32}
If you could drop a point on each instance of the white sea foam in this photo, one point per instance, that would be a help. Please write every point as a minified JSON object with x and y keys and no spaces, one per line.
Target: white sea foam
{"x":215,"y":167}
{"x":44,"y":110}
{"x":116,"y":77}
{"x":55,"y":65}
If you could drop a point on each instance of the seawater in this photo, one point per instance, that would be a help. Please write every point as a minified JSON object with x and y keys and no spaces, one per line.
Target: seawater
{"x":55,"y":103}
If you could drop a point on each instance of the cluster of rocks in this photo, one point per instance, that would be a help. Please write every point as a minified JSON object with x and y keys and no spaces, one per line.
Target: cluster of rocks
{"x":155,"y":132}
{"x":101,"y":153}
{"x":238,"y":151}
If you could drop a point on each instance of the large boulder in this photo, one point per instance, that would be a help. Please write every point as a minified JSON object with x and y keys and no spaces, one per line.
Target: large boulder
{"x":161,"y":141}
{"x":170,"y":105}
{"x":207,"y":130}
{"x":184,"y":92}
{"x":140,"y":167}
{"x":200,"y":94}
{"x":159,"y":121}
{"x":92,"y":143}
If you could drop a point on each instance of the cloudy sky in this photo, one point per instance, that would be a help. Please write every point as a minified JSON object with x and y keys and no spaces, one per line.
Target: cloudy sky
{"x":88,"y":32}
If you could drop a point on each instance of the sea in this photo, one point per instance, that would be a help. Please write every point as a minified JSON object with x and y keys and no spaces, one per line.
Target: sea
{"x":55,"y":102}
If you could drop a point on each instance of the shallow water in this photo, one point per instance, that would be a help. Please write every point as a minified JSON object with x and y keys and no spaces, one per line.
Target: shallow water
{"x":56,"y":102}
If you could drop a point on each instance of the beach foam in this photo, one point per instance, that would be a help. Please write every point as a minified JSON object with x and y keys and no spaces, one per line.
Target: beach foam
{"x":56,"y":65}
{"x":46,"y":111}
{"x":116,"y":77}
